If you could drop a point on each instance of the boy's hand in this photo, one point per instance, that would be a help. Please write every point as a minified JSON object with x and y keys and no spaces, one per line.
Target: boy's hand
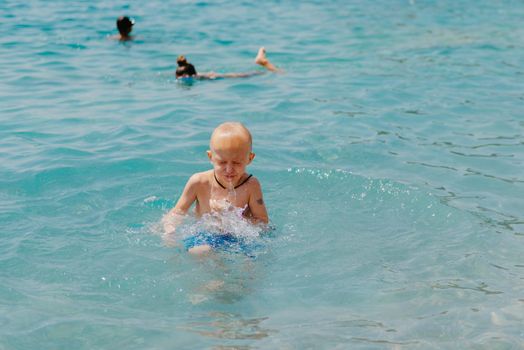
{"x":169,"y":239}
{"x":170,"y":221}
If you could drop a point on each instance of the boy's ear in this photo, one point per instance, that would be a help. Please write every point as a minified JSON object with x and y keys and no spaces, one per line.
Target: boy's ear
{"x":209,"y":154}
{"x":251,"y":157}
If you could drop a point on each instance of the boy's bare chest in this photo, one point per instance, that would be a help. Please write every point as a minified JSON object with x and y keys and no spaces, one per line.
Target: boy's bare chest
{"x":215,"y":199}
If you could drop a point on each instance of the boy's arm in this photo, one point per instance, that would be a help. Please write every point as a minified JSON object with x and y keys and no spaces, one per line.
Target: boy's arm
{"x":174,"y":217}
{"x":256,"y":203}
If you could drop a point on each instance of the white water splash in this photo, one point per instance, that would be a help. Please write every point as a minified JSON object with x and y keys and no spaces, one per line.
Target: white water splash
{"x":224,"y":219}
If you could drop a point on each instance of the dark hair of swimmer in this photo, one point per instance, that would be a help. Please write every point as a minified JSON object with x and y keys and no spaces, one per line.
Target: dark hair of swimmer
{"x":185,"y":69}
{"x":124,"y":25}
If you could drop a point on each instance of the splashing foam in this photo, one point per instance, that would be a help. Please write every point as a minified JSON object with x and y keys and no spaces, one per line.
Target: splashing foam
{"x":225,"y":219}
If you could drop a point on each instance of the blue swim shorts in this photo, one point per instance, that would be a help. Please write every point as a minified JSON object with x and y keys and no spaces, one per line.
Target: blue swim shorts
{"x":220,"y":241}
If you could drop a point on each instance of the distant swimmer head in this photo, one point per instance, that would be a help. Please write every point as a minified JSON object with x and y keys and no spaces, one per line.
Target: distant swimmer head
{"x":185,"y":69}
{"x":181,"y":61}
{"x":124,"y":25}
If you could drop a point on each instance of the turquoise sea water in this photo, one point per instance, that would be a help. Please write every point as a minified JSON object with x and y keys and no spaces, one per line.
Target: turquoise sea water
{"x":391,"y":155}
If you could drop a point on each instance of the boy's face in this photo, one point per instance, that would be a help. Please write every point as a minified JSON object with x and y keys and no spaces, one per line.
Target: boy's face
{"x":230,"y":159}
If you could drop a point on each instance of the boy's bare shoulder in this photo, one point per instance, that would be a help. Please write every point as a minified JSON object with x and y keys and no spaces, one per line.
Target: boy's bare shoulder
{"x":254,"y":184}
{"x":200,"y":179}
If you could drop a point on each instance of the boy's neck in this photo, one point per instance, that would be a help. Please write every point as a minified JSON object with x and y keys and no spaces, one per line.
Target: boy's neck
{"x":240,"y":183}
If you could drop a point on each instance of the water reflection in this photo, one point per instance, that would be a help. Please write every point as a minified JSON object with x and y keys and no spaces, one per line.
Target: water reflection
{"x":224,"y":325}
{"x":223,"y":278}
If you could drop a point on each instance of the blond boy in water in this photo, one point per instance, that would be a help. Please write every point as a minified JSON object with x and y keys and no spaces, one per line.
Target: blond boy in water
{"x":230,"y":153}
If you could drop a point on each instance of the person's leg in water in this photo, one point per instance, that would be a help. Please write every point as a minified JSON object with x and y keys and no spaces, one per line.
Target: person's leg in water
{"x":260,"y":59}
{"x":200,"y":249}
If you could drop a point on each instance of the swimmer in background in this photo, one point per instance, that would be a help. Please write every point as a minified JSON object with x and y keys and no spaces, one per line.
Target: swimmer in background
{"x":124,"y":25}
{"x":187,"y":70}
{"x":225,"y":187}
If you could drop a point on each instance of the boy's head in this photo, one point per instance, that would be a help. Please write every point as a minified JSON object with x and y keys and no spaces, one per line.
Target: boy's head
{"x":230,"y":151}
{"x":124,"y":25}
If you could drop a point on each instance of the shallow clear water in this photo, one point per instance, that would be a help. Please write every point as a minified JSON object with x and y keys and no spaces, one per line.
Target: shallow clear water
{"x":390,"y":154}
